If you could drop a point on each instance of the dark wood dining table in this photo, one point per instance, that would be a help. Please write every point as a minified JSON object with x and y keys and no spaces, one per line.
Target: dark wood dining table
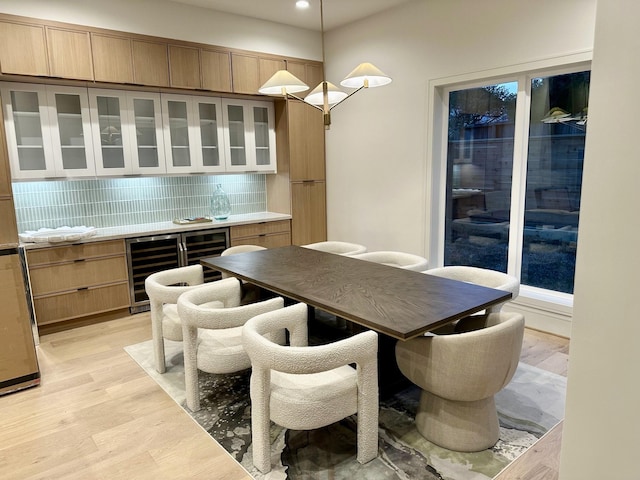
{"x":396,"y":302}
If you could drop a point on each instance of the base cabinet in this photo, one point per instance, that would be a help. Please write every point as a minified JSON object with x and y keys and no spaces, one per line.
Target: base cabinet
{"x":73,"y":281}
{"x":264,"y":234}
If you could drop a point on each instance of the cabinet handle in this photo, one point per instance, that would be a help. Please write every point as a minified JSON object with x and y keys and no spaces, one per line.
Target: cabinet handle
{"x":308,"y":181}
{"x":83,"y":288}
{"x":78,"y":260}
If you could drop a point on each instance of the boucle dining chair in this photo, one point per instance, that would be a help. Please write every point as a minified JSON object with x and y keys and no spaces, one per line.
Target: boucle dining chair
{"x":163,"y":289}
{"x":404,"y":260}
{"x":250,"y":293}
{"x":212,"y":320}
{"x":459,"y":374}
{"x":478,"y":276}
{"x":305,"y":387}
{"x":337,"y":247}
{"x":239,"y":249}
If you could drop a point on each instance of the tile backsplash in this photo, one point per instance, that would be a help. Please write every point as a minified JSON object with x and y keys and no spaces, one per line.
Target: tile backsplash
{"x":111,"y":202}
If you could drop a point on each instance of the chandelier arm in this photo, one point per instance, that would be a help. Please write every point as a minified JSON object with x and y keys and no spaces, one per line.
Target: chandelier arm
{"x":352,"y":93}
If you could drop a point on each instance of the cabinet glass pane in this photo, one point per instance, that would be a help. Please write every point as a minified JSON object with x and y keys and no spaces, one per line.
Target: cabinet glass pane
{"x":209,"y":134}
{"x":110,"y":132}
{"x":261,"y":129}
{"x":235,"y":114}
{"x":179,"y":133}
{"x":28,"y":130}
{"x":144,"y":113}
{"x":69,"y":113}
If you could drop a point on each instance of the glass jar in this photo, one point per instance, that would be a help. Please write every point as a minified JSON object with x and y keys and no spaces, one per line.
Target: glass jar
{"x":220,"y":205}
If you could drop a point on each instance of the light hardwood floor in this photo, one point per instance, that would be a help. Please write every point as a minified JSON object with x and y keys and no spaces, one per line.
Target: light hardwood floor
{"x":97,"y":415}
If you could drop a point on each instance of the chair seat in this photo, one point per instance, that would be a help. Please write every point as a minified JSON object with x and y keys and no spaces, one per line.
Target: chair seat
{"x":312,"y":396}
{"x":222,"y":351}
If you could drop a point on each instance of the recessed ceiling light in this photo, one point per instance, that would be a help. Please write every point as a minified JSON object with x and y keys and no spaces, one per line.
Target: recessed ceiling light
{"x":302,"y":4}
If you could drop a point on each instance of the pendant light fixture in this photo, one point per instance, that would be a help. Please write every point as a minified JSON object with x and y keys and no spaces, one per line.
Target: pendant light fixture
{"x":326,"y":95}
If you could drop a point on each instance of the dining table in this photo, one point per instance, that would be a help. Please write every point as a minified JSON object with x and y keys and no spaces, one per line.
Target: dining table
{"x":396,"y":302}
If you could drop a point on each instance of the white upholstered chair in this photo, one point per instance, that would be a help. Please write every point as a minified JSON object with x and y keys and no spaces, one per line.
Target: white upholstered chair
{"x":163,"y":289}
{"x":340,"y":248}
{"x":480,"y":276}
{"x":459,"y":374}
{"x":239,"y":249}
{"x":307,"y":387}
{"x":404,"y":260}
{"x":212,"y":320}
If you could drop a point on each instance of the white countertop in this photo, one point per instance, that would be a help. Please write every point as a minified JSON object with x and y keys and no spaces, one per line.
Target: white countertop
{"x":127,"y":231}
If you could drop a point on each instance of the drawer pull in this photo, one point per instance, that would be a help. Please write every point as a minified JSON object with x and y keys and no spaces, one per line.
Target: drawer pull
{"x":83,"y":288}
{"x":78,"y":260}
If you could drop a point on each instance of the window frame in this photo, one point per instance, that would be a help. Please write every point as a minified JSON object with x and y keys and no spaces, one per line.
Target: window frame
{"x":439,"y":89}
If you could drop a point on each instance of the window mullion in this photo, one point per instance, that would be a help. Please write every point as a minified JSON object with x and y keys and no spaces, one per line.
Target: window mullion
{"x":519,"y":180}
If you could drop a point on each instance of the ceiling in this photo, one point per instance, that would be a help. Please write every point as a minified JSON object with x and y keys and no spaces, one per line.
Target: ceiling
{"x":336,"y":12}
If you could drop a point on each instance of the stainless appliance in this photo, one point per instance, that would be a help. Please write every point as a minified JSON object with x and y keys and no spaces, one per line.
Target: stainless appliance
{"x":18,"y":361}
{"x":153,"y":253}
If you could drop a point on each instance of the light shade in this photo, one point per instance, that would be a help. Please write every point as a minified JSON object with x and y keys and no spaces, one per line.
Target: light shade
{"x":334,"y":95}
{"x":366,"y":75}
{"x":283,"y":82}
{"x":556,"y":115}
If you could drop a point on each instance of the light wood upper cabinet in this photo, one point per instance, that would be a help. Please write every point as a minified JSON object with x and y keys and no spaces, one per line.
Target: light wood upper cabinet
{"x":246,"y":73}
{"x":268,"y":67}
{"x":150,"y":63}
{"x":216,"y":70}
{"x":184,"y":67}
{"x":250,"y":72}
{"x":69,"y":53}
{"x":23,"y":49}
{"x":112,"y":58}
{"x":309,"y":73}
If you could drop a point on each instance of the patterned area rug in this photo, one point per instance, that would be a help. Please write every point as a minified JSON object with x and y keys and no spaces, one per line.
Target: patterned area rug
{"x":530,"y":405}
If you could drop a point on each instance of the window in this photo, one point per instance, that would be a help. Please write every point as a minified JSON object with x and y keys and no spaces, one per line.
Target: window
{"x":514,"y":158}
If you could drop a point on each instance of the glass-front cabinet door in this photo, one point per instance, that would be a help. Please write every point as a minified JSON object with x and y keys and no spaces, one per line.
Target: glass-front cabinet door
{"x":192,"y":134}
{"x":110,"y":132}
{"x":127,"y":132}
{"x":249,"y":135}
{"x":70,"y":123}
{"x":28,"y":138}
{"x":147,"y":143}
{"x":48,"y":131}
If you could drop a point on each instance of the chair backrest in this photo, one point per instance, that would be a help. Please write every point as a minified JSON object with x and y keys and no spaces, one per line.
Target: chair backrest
{"x":480,"y":276}
{"x":404,"y":260}
{"x":469,"y":365}
{"x":239,"y":249}
{"x":216,"y":305}
{"x":167,"y":285}
{"x":340,"y":248}
{"x":298,"y":358}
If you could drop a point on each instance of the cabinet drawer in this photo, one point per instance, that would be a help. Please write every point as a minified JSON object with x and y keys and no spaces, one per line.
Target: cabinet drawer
{"x":78,"y":274}
{"x":262,"y":228}
{"x":80,"y":303}
{"x":70,"y":253}
{"x":268,"y":241}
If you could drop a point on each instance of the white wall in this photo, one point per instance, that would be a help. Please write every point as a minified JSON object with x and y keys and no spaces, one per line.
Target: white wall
{"x":167,"y":19}
{"x":376,"y":151}
{"x":601,"y":434}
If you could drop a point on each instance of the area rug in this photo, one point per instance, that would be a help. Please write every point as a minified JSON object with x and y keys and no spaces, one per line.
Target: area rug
{"x":528,"y":407}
